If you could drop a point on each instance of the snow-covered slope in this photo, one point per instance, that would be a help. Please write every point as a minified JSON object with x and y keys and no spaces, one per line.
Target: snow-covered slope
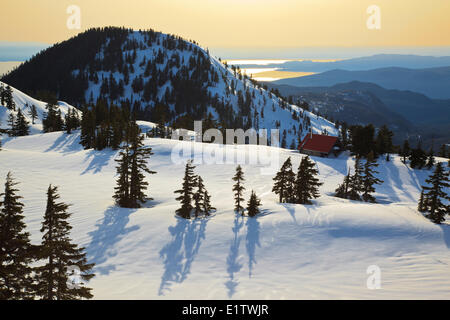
{"x":268,"y":108}
{"x":24,"y":102}
{"x":289,"y":252}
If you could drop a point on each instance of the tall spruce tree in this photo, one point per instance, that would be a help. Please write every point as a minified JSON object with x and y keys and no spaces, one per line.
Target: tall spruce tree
{"x":198,"y":197}
{"x":430,"y":159}
{"x":421,"y":207}
{"x":343,"y":189}
{"x":433,"y":199}
{"x":206,"y":205}
{"x":88,"y":129}
{"x":33,"y":113}
{"x":253,"y":205}
{"x":52,"y":121}
{"x":8,"y":98}
{"x":417,"y":158}
{"x":443,"y":151}
{"x":133,"y":156}
{"x":284,"y":182}
{"x":186,"y":192}
{"x":355,"y":184}
{"x":16,"y":252}
{"x":138,"y":165}
{"x":12,"y":125}
{"x":306,"y":183}
{"x":21,"y":127}
{"x":60,"y":254}
{"x":72,"y":121}
{"x":369,"y":180}
{"x":238,"y":189}
{"x":122,"y":190}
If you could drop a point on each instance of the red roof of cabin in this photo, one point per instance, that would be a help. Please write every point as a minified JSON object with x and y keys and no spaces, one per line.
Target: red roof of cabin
{"x":318,"y":142}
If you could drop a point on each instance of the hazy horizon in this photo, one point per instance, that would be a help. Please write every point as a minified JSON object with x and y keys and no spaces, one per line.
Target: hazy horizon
{"x":21,"y":51}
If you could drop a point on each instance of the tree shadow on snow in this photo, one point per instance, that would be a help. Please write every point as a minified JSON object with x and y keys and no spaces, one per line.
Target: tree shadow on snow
{"x":180,"y":252}
{"x":251,"y":241}
{"x":233,"y":265}
{"x":291,"y":209}
{"x":99,"y":159}
{"x":66,"y":143}
{"x":109,"y":232}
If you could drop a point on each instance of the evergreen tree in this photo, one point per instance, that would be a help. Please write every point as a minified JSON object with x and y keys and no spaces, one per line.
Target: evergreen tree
{"x":284,"y":182}
{"x":405,"y":151}
{"x":72,"y":121}
{"x":369,"y":179}
{"x":343,"y":189}
{"x":186,"y":192}
{"x":8,"y":98}
{"x":16,"y":280}
{"x":33,"y":113}
{"x":139,"y":164}
{"x":207,"y":207}
{"x":198,"y":196}
{"x":355,"y":184}
{"x":122,"y":190}
{"x":21,"y":127}
{"x":238,"y":188}
{"x":306,"y":183}
{"x":12,"y":125}
{"x":52,"y":121}
{"x":430,"y":159}
{"x":132,"y":165}
{"x":383,"y":142}
{"x":432,"y":202}
{"x":421,"y":207}
{"x":417,"y":158}
{"x":443,"y":151}
{"x":253,"y":205}
{"x":59,"y":253}
{"x":88,"y":128}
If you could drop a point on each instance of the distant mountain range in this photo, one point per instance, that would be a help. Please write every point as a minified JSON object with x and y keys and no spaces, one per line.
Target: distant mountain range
{"x":433,"y":82}
{"x":408,"y":114}
{"x":362,"y":63}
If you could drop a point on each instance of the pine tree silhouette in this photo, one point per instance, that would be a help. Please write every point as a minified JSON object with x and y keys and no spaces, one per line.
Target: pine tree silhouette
{"x":238,"y":189}
{"x":432,"y":202}
{"x":198,"y":197}
{"x":369,"y":179}
{"x":343,"y":189}
{"x":21,"y":127}
{"x":284,"y":182}
{"x":253,"y":205}
{"x":60,"y":254}
{"x":306,"y":183}
{"x":16,"y":252}
{"x":186,"y":191}
{"x":355,"y":184}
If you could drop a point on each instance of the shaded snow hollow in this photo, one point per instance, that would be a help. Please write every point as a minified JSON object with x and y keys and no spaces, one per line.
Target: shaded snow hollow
{"x":289,"y":252}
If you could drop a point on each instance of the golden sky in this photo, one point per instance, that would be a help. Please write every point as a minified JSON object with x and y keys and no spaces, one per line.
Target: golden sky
{"x":239,"y":23}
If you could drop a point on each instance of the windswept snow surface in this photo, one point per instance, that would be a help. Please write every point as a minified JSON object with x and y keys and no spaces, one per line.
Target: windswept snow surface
{"x":320,"y":251}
